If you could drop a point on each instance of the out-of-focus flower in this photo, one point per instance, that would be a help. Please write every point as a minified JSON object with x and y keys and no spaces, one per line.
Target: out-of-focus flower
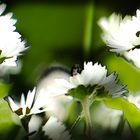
{"x":135,"y":99}
{"x":55,"y":130}
{"x":91,"y":75}
{"x":111,"y":117}
{"x":59,"y":104}
{"x":122,"y":35}
{"x":27,"y":107}
{"x":11,"y":44}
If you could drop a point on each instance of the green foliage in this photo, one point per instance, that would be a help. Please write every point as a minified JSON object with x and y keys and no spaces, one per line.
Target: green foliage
{"x":128,"y":74}
{"x":4,"y":89}
{"x":81,"y":92}
{"x":9,"y":122}
{"x":131,"y":112}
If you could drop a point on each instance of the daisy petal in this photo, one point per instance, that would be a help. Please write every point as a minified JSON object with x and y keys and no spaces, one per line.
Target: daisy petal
{"x":12,"y":104}
{"x":30,"y":98}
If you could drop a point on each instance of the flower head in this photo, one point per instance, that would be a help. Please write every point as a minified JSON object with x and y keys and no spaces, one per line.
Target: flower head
{"x":11,"y":44}
{"x":122,"y":35}
{"x":26,"y":107}
{"x":91,"y":76}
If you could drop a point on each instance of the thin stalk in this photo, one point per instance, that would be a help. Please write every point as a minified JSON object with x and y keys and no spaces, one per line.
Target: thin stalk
{"x":86,"y":111}
{"x":88,"y":28}
{"x":81,"y":116}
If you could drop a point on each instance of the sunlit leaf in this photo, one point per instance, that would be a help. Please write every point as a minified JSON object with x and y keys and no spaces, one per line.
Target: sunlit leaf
{"x":131,"y":112}
{"x":128,"y":74}
{"x":9,"y":122}
{"x":4,"y":88}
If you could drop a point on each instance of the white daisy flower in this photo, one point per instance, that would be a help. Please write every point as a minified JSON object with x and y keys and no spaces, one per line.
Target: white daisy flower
{"x":11,"y":44}
{"x":91,"y":75}
{"x":135,"y":99}
{"x":123,"y":36}
{"x":59,"y":104}
{"x":27,"y":107}
{"x":55,"y":130}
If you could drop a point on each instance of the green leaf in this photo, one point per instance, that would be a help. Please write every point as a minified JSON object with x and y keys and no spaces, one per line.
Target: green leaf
{"x":128,"y":74}
{"x":131,"y":112}
{"x":4,"y":89}
{"x":9,"y":122}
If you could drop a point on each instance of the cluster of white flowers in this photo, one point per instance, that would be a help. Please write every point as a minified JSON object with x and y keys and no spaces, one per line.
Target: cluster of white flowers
{"x":34,"y":105}
{"x":53,"y":93}
{"x":11,"y":46}
{"x":123,"y":35}
{"x":40,"y":100}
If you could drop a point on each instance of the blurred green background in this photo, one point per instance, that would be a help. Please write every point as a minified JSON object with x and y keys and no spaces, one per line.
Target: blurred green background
{"x":65,"y":33}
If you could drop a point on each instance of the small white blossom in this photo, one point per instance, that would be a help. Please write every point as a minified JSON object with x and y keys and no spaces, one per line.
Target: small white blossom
{"x":55,"y":130}
{"x":93,"y":75}
{"x":29,"y":106}
{"x":123,"y":36}
{"x":11,"y":44}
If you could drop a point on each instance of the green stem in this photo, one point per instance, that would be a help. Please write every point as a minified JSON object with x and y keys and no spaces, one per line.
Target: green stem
{"x":81,"y":116}
{"x":86,"y":110}
{"x":88,"y":28}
